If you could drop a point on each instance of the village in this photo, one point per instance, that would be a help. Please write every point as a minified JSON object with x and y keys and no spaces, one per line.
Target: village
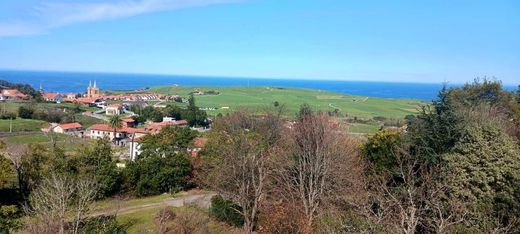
{"x":106,"y":106}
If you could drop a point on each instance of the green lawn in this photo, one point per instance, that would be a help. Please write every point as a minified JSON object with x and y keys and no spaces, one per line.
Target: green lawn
{"x":21,"y":125}
{"x":87,"y":121}
{"x":143,"y":221}
{"x":68,"y":143}
{"x":232,"y":99}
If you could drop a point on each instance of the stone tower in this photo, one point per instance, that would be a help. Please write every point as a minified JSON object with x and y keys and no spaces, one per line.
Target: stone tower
{"x":92,"y":90}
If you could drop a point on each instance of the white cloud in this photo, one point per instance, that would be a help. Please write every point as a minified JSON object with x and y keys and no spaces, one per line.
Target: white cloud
{"x":58,"y":14}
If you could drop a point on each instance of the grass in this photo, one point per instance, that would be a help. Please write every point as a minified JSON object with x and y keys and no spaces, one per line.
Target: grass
{"x":87,"y":121}
{"x":110,"y":204}
{"x":21,"y":125}
{"x":143,"y":220}
{"x":232,"y":99}
{"x":68,"y":143}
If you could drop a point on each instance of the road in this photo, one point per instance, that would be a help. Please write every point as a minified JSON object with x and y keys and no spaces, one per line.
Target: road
{"x":202,"y":200}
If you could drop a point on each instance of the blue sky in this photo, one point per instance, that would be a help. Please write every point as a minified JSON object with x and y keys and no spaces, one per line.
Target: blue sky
{"x":385,"y":40}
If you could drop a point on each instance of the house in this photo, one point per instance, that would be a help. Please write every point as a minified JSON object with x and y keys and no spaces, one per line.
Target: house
{"x":86,"y":101}
{"x":156,"y":127}
{"x":97,"y":131}
{"x":13,"y":94}
{"x":2,"y":98}
{"x":128,"y":122}
{"x":69,"y":128}
{"x":52,"y":97}
{"x":135,"y":148}
{"x":114,"y":109}
{"x":69,"y":97}
{"x":198,"y":145}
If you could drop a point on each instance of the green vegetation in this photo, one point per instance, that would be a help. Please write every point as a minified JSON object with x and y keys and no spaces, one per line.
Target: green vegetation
{"x":163,"y":165}
{"x":21,"y":125}
{"x":231,"y":99}
{"x":226,"y":211}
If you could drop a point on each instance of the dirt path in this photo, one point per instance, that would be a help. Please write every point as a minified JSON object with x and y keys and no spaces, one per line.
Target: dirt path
{"x":202,"y":200}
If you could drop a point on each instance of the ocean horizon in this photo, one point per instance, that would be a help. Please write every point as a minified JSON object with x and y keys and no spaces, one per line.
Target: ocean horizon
{"x":77,"y":82}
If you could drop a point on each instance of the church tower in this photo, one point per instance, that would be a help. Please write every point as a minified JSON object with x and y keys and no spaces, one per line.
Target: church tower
{"x":92,"y":90}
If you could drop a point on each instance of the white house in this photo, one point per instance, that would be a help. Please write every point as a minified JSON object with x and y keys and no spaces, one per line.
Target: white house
{"x":53,"y":97}
{"x":69,"y":128}
{"x":114,"y":109}
{"x":135,"y":148}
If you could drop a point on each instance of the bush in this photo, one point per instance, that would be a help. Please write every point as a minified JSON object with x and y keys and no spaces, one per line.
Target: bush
{"x":103,"y":224}
{"x":8,"y":115}
{"x":25,"y":112}
{"x":226,"y":211}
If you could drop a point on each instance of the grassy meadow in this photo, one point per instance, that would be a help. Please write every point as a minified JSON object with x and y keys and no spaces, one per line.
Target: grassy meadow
{"x":231,"y":99}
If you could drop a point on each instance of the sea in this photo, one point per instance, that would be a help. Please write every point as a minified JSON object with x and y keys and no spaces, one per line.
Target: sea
{"x":77,"y":82}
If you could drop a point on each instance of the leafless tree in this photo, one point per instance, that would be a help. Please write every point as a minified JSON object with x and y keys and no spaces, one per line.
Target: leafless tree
{"x":413,"y":196}
{"x":315,"y":168}
{"x":58,"y":197}
{"x":240,"y":146}
{"x":190,"y":220}
{"x":161,"y":219}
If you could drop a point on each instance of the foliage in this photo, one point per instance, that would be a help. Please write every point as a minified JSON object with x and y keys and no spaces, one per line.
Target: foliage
{"x":226,"y":211}
{"x":151,"y":113}
{"x":103,"y":225}
{"x":194,"y":115}
{"x":436,"y":129}
{"x":170,"y":140}
{"x":163,"y":165}
{"x":97,"y":162}
{"x":485,"y":166}
{"x":9,"y":219}
{"x":7,"y":174}
{"x":25,"y":112}
{"x":155,"y":175}
{"x":381,"y":148}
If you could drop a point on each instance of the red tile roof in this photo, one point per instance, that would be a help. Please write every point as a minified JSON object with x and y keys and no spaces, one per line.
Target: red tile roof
{"x":50,"y":95}
{"x":199,"y":142}
{"x":13,"y":93}
{"x":128,"y":120}
{"x":116,"y":105}
{"x":66,"y":126}
{"x":106,"y":128}
{"x":86,"y":100}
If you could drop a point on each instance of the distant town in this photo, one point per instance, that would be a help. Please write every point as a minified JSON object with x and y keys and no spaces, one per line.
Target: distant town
{"x":103,"y":106}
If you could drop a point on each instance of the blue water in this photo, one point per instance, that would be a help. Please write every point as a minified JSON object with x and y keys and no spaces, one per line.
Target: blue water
{"x":77,"y":82}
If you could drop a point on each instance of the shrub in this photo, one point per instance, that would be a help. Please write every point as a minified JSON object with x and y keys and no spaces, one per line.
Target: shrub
{"x":226,"y":211}
{"x":25,"y":112}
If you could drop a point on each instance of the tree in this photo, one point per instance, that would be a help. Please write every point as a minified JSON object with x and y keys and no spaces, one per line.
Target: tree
{"x":485,"y":176}
{"x":57,"y":196}
{"x":25,"y":112}
{"x":97,"y":163}
{"x":436,"y":129}
{"x":157,"y":174}
{"x":115,"y":123}
{"x":380,"y":148}
{"x":236,"y":159}
{"x":163,"y":165}
{"x":317,"y":164}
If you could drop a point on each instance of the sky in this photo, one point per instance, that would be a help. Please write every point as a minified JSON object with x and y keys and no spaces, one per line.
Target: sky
{"x":386,"y":40}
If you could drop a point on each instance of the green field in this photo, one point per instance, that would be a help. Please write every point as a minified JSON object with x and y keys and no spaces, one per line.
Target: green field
{"x":232,"y":99}
{"x":21,"y":125}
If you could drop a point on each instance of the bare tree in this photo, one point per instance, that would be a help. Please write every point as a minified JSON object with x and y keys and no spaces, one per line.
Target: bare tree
{"x":315,"y":167}
{"x":240,"y":146}
{"x":57,"y":197}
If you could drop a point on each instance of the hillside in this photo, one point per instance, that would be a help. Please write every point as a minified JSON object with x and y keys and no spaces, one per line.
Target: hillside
{"x":362,"y":109}
{"x":253,"y":97}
